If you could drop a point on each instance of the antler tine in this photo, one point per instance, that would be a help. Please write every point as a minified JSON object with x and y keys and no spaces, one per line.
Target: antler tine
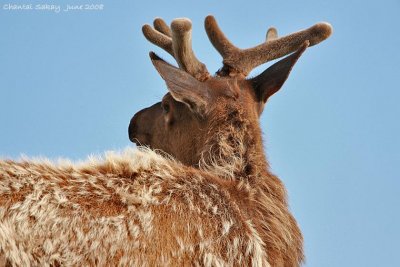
{"x":242,"y":61}
{"x":272,"y":34}
{"x":157,"y":37}
{"x":218,"y":38}
{"x":182,"y":48}
{"x":160,"y":25}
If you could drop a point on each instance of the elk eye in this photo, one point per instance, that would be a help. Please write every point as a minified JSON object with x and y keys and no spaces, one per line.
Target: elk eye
{"x":165,"y":107}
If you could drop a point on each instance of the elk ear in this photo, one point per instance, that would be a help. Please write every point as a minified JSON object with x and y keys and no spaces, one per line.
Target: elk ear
{"x":182,"y":86}
{"x":272,"y":79}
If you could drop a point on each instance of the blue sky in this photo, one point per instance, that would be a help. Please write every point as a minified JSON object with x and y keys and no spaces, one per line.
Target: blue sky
{"x":70,"y":82}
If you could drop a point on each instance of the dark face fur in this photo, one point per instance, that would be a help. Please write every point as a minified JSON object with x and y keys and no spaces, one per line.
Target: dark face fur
{"x":165,"y":126}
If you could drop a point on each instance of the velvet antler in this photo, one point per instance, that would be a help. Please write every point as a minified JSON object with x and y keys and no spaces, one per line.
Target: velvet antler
{"x":177,"y":41}
{"x":241,"y":61}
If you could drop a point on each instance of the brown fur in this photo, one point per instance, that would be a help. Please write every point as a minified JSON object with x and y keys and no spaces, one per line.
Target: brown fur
{"x":269,"y":210}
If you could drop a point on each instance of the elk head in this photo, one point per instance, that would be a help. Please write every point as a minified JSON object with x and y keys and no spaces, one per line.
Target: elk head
{"x":197,"y":103}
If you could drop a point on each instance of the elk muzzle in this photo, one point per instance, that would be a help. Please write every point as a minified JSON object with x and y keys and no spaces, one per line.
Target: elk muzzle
{"x":142,"y":124}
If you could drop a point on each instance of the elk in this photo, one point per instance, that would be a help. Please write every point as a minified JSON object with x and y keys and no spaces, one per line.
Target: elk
{"x":212,"y":122}
{"x":198,"y":191}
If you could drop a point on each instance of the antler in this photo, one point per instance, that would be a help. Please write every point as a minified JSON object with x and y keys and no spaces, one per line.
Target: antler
{"x":242,"y":61}
{"x":177,"y":41}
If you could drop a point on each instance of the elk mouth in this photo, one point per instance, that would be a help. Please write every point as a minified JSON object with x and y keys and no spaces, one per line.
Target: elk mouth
{"x":140,"y":139}
{"x":135,"y":141}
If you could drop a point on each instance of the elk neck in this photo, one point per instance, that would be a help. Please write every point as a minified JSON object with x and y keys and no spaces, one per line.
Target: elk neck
{"x":234,"y":150}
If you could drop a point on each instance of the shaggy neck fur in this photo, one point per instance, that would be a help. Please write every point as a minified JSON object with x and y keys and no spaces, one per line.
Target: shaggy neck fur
{"x":236,"y":154}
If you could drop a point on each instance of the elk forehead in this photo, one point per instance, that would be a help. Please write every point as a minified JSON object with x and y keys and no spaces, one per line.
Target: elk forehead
{"x":233,"y":93}
{"x":227,"y":87}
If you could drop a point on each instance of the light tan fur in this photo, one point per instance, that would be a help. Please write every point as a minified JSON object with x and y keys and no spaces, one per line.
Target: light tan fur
{"x":134,"y":208}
